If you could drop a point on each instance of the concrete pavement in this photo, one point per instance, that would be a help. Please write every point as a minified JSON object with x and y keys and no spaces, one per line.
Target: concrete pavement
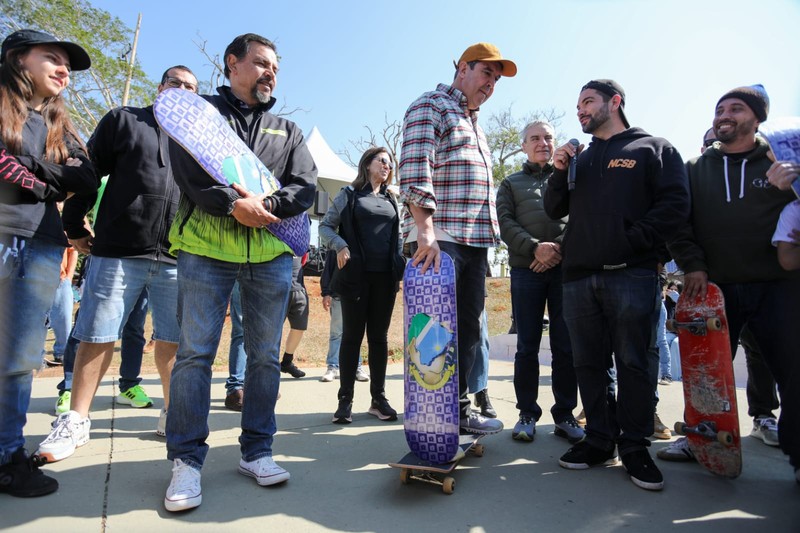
{"x":341,"y":482}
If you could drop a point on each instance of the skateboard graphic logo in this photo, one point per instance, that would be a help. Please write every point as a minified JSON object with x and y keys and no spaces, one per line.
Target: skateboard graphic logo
{"x":245,"y":170}
{"x":432,"y":357}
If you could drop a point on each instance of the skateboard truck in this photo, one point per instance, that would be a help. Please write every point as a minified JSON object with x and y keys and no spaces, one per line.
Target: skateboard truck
{"x":705,"y":429}
{"x":698,"y":326}
{"x":432,"y":474}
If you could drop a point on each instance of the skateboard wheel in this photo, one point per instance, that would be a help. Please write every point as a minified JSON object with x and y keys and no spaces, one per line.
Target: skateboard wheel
{"x":478,"y":450}
{"x":714,"y":324}
{"x":404,"y":476}
{"x":725,"y":437}
{"x":680,"y":428}
{"x":672,"y":325}
{"x":448,"y":485}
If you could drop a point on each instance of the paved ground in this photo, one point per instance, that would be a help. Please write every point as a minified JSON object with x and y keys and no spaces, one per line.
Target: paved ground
{"x":340,"y":480}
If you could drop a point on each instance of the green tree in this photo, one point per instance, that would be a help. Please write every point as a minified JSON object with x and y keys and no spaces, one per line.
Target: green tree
{"x":107,"y":40}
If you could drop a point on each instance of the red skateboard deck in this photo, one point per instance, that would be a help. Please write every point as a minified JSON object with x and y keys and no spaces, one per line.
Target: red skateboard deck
{"x":709,"y":390}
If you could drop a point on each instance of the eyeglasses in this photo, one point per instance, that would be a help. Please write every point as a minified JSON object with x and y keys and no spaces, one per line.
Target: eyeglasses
{"x":708,"y":142}
{"x":175,"y":83}
{"x":384,"y":161}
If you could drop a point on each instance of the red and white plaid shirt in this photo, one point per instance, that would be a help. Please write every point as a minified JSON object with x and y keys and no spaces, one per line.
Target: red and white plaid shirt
{"x":446,"y":166}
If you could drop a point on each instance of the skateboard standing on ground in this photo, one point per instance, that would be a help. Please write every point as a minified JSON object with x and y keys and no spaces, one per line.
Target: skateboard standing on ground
{"x":202,"y":131}
{"x":709,"y":389}
{"x":431,"y":417}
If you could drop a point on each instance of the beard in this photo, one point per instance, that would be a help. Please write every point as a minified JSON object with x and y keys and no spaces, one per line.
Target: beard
{"x":741,"y":129}
{"x":261,"y":96}
{"x":597,"y":120}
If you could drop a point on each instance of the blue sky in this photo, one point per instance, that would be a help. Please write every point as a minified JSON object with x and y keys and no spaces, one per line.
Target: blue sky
{"x":349,"y":63}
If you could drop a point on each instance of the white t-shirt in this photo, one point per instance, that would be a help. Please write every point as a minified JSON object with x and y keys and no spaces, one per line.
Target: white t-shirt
{"x":789,"y":220}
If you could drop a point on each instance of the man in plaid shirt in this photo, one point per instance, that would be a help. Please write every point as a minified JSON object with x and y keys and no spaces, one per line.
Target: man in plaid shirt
{"x":445,"y":182}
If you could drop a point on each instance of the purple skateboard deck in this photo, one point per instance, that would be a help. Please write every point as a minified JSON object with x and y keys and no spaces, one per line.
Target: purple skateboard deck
{"x":199,"y":128}
{"x":431,"y":419}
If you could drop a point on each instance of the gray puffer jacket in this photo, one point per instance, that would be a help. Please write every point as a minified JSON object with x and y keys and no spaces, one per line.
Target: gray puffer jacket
{"x":520,"y":211}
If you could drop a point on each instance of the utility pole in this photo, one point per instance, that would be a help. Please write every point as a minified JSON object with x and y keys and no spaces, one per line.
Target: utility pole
{"x":127,"y":91}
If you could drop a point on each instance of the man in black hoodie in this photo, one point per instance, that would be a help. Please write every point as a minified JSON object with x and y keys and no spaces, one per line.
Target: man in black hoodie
{"x":629,"y":195}
{"x":728,"y":240}
{"x":130,"y":253}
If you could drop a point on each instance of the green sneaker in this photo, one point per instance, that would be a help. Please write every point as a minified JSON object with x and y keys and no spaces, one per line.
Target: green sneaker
{"x":135,"y":397}
{"x":63,"y":402}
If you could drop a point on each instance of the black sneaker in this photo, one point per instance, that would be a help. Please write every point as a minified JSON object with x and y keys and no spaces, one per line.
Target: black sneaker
{"x":480,"y":425}
{"x":380,"y":407}
{"x":583,"y":455}
{"x":292,"y":370}
{"x":643,"y":471}
{"x":22,"y":478}
{"x":344,"y":413}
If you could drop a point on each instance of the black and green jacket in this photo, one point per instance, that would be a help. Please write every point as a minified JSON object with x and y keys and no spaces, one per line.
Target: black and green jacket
{"x":202,"y":225}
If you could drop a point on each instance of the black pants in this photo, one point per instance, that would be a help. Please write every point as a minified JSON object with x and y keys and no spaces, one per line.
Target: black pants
{"x":372,"y":312}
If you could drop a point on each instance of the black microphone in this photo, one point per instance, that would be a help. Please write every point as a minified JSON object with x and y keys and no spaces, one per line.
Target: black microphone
{"x":573,"y":165}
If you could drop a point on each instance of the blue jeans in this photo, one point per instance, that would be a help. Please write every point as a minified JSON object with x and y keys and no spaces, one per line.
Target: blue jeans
{"x":530,"y":292}
{"x":771,"y":312}
{"x":60,"y":317}
{"x":335,"y":338}
{"x":114,"y":286}
{"x":621,"y":306}
{"x":204,"y":289}
{"x":237,"y":357}
{"x":29,"y":273}
{"x":479,"y":376}
{"x":131,"y":350}
{"x":664,"y":358}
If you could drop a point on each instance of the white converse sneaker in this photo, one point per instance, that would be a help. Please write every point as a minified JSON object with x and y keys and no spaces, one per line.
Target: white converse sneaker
{"x":330,"y":374}
{"x":69,"y":432}
{"x":264,"y":470}
{"x":184,"y":490}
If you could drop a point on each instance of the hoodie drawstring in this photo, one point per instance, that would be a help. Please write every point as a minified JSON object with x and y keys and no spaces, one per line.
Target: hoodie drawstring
{"x":741,"y":179}
{"x":727,"y":185}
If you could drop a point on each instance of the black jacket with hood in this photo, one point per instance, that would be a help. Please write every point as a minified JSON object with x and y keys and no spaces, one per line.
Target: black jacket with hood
{"x":630,"y":196}
{"x":733,"y":216}
{"x":140,"y":198}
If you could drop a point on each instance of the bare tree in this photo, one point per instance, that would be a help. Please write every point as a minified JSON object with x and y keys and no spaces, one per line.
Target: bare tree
{"x":388,"y":136}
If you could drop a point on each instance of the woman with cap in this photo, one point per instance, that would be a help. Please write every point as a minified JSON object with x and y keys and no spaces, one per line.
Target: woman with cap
{"x":369,"y":267}
{"x":42,"y":161}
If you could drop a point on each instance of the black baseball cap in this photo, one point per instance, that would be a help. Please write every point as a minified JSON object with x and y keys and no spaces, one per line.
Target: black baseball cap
{"x":78,"y":58}
{"x":610,"y":88}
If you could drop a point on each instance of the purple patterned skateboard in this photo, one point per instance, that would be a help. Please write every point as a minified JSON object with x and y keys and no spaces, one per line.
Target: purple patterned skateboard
{"x":199,"y":128}
{"x":431,"y":419}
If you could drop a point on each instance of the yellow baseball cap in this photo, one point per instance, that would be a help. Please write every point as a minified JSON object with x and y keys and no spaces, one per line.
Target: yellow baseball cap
{"x":488,"y":52}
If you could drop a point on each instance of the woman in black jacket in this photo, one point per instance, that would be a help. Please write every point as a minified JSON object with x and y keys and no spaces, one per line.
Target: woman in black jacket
{"x":362,"y":226}
{"x":41,"y":160}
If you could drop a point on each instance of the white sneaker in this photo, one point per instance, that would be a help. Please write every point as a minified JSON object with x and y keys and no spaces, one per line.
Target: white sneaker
{"x":361,"y":374}
{"x":184,"y":490}
{"x":264,"y":470}
{"x":330,"y":374}
{"x":161,"y":428}
{"x":766,"y":429}
{"x":69,"y":431}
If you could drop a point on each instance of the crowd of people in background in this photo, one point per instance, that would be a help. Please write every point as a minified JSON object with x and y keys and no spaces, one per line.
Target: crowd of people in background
{"x":589,"y":230}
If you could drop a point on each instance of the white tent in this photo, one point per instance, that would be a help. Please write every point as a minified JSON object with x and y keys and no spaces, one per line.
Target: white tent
{"x":333,"y":173}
